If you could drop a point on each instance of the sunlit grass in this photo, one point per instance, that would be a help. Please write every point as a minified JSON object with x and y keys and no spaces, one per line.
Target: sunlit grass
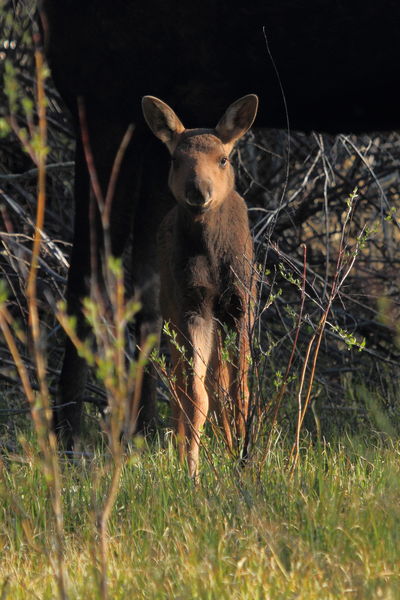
{"x":333,"y":531}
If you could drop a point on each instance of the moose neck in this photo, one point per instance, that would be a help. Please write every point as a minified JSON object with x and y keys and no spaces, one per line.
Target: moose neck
{"x":206,"y":232}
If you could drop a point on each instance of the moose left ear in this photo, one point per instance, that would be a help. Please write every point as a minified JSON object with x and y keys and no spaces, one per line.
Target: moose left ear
{"x":238,"y":119}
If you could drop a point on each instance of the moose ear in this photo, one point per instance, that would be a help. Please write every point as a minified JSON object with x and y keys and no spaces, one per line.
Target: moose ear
{"x":162,"y":121}
{"x":238,"y":119}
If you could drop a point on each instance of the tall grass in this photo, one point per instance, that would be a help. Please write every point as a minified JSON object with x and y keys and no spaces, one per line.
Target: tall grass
{"x":331,"y":531}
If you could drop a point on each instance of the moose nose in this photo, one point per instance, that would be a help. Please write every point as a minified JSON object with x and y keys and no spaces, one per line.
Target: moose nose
{"x":198,"y":192}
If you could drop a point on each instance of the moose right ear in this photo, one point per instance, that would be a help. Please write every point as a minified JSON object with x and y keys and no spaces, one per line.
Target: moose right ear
{"x":162,"y":121}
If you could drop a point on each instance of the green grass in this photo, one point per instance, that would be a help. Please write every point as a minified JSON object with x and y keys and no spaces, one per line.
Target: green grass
{"x":333,"y":531}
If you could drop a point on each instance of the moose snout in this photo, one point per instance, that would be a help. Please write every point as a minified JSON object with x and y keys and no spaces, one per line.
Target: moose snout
{"x":198,"y":192}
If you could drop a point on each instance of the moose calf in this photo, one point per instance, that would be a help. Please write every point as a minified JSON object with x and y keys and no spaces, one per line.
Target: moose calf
{"x":207,"y":286}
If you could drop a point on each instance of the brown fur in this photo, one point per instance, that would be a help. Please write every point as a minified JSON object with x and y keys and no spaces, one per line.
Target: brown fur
{"x":197,"y":54}
{"x":206,"y":255}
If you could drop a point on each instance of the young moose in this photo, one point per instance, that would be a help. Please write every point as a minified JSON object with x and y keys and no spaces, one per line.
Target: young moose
{"x":206,"y":254}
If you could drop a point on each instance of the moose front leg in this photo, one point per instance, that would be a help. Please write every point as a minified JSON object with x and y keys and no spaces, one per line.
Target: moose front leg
{"x":68,"y":410}
{"x":239,"y":387}
{"x":87,"y":259}
{"x":153,"y":202}
{"x":178,"y":401}
{"x":238,"y":367}
{"x":218,"y":385}
{"x":195,"y":402}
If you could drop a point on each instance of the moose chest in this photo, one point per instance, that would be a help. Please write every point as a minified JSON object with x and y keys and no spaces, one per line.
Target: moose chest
{"x":206,"y":267}
{"x":209,"y":284}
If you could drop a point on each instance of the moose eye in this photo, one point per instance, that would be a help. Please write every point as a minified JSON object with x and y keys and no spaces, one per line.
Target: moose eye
{"x":223,"y":161}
